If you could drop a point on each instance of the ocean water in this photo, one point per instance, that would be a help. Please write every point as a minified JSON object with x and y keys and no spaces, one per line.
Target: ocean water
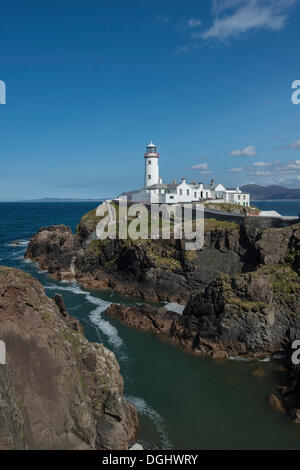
{"x":282,"y":207}
{"x":184,"y":402}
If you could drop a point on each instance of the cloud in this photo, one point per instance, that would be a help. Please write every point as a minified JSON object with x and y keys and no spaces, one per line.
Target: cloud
{"x":235,"y":17}
{"x":274,"y":172}
{"x":235,"y":170}
{"x":249,"y":151}
{"x":194,"y":23}
{"x":295,"y":145}
{"x":199,"y":166}
{"x":260,"y":173}
{"x":262,"y":164}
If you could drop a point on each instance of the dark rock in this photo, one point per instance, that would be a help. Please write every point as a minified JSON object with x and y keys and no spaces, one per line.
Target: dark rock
{"x":56,"y":388}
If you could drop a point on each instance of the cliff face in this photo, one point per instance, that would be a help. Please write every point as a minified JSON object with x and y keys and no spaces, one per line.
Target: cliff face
{"x":252,"y":313}
{"x":155,"y":270}
{"x":241,"y":289}
{"x":162,"y":269}
{"x":57,"y":390}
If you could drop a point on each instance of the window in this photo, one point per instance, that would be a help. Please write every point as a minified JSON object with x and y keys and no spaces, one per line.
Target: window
{"x":149,"y":162}
{"x":149,"y":177}
{"x":195,"y":195}
{"x":171,"y":197}
{"x":188,"y":192}
{"x":180,"y":192}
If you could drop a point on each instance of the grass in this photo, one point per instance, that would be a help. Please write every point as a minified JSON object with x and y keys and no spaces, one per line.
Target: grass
{"x":285,"y":284}
{"x":235,"y":208}
{"x":213,"y":224}
{"x":165,"y":263}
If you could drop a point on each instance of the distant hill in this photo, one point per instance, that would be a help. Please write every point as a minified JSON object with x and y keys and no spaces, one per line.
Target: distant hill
{"x":263,"y":193}
{"x":55,"y":199}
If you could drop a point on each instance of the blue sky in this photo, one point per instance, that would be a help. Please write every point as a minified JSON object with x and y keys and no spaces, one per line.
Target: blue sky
{"x":91,"y":82}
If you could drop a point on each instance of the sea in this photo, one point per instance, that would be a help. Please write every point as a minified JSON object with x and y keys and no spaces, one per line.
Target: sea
{"x":184,"y":402}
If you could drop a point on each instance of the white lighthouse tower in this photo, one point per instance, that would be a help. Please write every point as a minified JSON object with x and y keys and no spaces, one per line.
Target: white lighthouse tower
{"x":151,"y":165}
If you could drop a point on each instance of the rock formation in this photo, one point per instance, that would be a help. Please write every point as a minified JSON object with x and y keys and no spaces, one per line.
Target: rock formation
{"x":57,"y":390}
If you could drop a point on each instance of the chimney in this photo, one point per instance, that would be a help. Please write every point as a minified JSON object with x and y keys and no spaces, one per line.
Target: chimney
{"x":212,"y":182}
{"x":174,"y":181}
{"x":183,"y":179}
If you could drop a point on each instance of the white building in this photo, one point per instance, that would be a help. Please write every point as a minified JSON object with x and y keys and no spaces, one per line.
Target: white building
{"x":155,"y":191}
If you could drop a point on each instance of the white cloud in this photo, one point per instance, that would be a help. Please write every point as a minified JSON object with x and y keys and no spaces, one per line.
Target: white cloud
{"x":249,"y":151}
{"x":234,"y":17}
{"x":236,"y":170}
{"x":194,"y":23}
{"x":274,"y":172}
{"x":199,"y":166}
{"x":262,"y":164}
{"x":261,"y":173}
{"x":295,"y":145}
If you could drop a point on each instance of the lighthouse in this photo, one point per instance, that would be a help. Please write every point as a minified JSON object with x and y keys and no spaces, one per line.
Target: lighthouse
{"x":151,"y":165}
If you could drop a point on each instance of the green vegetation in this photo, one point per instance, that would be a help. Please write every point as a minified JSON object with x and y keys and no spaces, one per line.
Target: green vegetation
{"x":213,"y":224}
{"x":231,"y":298}
{"x":165,"y":263}
{"x":47,"y":316}
{"x":285,"y":281}
{"x":235,"y":208}
{"x":72,"y":338}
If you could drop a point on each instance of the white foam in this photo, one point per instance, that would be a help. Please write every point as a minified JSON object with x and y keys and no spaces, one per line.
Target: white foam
{"x":174,"y":307}
{"x":95,"y":315}
{"x":279,"y":356}
{"x":74,"y":288}
{"x":19,"y":243}
{"x":145,"y":409}
{"x":240,"y":359}
{"x":23,"y":242}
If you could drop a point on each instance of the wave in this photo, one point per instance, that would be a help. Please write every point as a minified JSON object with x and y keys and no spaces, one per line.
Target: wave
{"x":145,"y":409}
{"x":95,"y":315}
{"x":240,"y":359}
{"x":21,"y":243}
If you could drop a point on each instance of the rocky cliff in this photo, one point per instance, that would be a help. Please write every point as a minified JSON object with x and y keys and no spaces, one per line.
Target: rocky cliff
{"x":57,"y":390}
{"x":242,"y":290}
{"x":160,"y":270}
{"x":155,"y":270}
{"x":254,"y":314}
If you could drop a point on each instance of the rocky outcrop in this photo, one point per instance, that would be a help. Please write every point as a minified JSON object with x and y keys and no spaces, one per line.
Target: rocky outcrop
{"x":54,"y":248}
{"x":241,"y":289}
{"x":254,"y":314}
{"x":57,"y":390}
{"x":155,"y":270}
{"x":161,"y":270}
{"x":144,"y":317}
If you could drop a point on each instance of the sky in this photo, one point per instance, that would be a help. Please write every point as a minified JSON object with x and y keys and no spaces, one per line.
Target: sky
{"x":90,"y":82}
